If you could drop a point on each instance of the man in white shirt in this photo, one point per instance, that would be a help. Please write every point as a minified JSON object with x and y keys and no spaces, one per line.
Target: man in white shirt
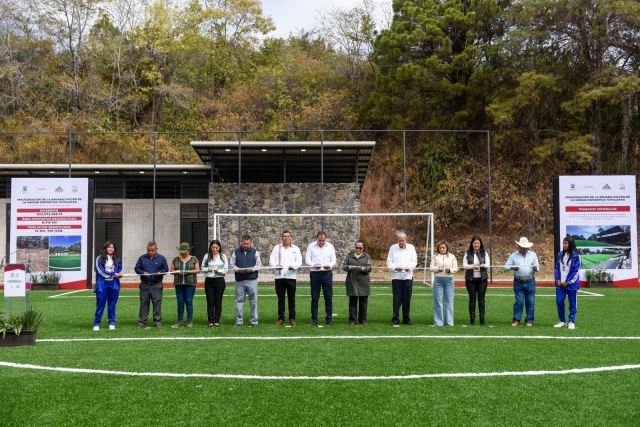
{"x":321,"y":257}
{"x":286,"y":258}
{"x":402,"y":259}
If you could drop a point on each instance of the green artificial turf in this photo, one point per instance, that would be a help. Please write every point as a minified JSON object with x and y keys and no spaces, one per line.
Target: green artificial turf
{"x":64,"y":262}
{"x":287,"y":386}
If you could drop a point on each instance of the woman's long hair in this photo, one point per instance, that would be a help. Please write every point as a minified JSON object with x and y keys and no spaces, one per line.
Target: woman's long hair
{"x":481,"y":251}
{"x":210,"y":253}
{"x":572,"y":248}
{"x":104,"y":255}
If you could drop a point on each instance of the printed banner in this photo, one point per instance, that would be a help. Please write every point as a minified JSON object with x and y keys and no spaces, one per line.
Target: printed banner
{"x":599,"y":212}
{"x":49,"y":225}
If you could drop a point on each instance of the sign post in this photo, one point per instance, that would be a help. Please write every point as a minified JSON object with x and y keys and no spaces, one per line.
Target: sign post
{"x":15,"y":286}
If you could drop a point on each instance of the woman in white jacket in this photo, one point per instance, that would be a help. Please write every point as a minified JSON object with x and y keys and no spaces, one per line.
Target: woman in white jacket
{"x":444,"y":264}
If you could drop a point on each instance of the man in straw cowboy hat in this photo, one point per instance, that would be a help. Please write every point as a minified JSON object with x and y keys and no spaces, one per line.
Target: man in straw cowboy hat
{"x":524,"y":264}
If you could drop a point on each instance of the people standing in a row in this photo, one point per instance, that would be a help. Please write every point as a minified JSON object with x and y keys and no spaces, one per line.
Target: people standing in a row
{"x":357,"y":264}
{"x":321,"y":257}
{"x":151,"y":267}
{"x":215,"y":266}
{"x":444,"y":264}
{"x":245,"y":262}
{"x":402,"y":259}
{"x":567,"y":276}
{"x":287,"y":259}
{"x":108,"y":274}
{"x":524,"y":264}
{"x":476,"y":262}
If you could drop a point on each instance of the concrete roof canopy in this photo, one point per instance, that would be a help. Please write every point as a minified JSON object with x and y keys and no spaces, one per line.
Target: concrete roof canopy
{"x":287,"y":161}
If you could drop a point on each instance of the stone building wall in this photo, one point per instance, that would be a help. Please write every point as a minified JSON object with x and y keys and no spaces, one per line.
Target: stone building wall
{"x":292,"y":198}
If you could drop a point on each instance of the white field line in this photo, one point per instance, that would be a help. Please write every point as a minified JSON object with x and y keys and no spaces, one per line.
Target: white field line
{"x":69,"y":293}
{"x":343,"y":337}
{"x":591,"y":294}
{"x":325,"y":377}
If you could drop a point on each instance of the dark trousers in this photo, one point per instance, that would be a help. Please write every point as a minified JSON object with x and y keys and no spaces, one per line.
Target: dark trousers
{"x":286,"y":286}
{"x":356,"y":302}
{"x":214,"y":289}
{"x":477,"y":288}
{"x":402,"y":290}
{"x":321,"y":280}
{"x":151,"y":293}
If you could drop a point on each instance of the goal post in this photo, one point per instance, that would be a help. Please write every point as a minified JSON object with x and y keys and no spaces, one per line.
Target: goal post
{"x":342,"y":230}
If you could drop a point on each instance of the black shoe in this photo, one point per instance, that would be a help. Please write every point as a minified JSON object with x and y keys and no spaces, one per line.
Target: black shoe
{"x":314,"y":323}
{"x":329,"y":323}
{"x":409,"y":322}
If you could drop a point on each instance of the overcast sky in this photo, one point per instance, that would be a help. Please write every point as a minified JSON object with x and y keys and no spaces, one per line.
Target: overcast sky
{"x":289,"y":15}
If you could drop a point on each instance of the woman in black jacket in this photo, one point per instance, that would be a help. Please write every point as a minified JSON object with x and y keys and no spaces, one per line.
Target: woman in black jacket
{"x":476,"y":263}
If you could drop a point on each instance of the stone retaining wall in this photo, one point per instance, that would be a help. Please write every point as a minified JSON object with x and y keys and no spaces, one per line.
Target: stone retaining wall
{"x":293,"y":198}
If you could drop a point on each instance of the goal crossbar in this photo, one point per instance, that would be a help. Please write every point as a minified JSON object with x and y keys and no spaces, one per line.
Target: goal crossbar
{"x":429,"y":240}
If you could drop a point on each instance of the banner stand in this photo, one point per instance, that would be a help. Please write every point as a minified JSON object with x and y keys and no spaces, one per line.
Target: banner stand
{"x":16,"y":287}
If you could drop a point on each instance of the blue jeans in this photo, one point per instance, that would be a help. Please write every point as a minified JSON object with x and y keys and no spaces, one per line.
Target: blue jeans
{"x":561,"y":294}
{"x":525,"y":292}
{"x":111,"y":295}
{"x":401,"y":290}
{"x":321,"y":280}
{"x":184,"y":294}
{"x":442,"y":288}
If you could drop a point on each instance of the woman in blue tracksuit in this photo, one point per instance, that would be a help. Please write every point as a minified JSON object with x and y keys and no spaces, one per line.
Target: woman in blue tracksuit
{"x":567,"y":278}
{"x":108,"y":274}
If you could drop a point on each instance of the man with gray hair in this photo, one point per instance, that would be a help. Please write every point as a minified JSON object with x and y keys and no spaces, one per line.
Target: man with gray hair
{"x":151,"y":267}
{"x":402,"y":259}
{"x":245,"y":262}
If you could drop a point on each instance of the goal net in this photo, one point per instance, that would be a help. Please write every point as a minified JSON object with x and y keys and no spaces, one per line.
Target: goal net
{"x":377,"y":230}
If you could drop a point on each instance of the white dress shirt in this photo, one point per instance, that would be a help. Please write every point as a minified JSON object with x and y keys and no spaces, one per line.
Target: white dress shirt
{"x":325,"y":255}
{"x":404,"y":258}
{"x":286,"y":257}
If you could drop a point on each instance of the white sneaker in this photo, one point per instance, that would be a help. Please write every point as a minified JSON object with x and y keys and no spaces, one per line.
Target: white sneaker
{"x":572,"y":325}
{"x":96,"y":328}
{"x":112,"y":327}
{"x":559,"y":325}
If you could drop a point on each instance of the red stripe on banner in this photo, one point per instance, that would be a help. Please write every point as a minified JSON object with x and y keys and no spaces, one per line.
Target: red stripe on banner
{"x":77,"y":284}
{"x":49,"y":218}
{"x":49,"y":227}
{"x":45,"y":210}
{"x":598,"y":209}
{"x":626,"y":283}
{"x":10,"y":267}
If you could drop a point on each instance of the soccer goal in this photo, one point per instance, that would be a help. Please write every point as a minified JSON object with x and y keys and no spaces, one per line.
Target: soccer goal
{"x":377,"y":230}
